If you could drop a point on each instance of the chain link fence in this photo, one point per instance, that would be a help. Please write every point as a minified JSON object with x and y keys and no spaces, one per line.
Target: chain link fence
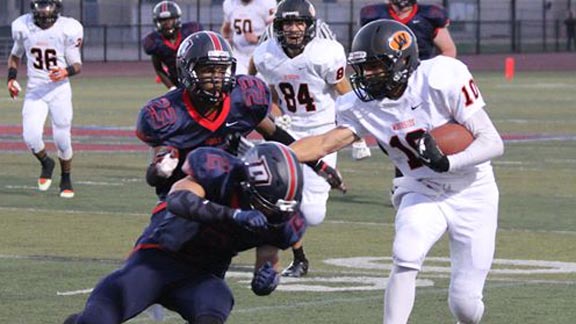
{"x":114,"y":29}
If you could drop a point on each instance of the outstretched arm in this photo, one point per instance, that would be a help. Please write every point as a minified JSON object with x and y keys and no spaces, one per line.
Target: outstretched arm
{"x":315,"y":147}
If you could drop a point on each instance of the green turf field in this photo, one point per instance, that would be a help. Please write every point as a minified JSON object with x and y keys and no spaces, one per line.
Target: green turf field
{"x":53,"y":250}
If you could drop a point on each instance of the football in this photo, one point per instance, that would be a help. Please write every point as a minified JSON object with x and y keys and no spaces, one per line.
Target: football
{"x":452,"y":138}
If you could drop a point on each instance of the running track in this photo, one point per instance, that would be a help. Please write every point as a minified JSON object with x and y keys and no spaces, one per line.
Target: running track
{"x":105,"y":139}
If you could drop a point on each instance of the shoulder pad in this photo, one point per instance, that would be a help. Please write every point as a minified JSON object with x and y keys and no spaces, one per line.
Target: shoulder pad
{"x":445,"y":72}
{"x":149,"y":43}
{"x":153,"y":119}
{"x":209,"y":166}
{"x":255,"y":95}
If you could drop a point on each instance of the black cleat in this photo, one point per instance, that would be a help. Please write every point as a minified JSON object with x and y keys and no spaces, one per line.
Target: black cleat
{"x":296,"y":269}
{"x":45,"y":179}
{"x":66,"y":190}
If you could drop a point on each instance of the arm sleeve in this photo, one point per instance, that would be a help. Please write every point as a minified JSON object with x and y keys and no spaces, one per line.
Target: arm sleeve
{"x":74,"y":39}
{"x":18,"y":37}
{"x":487,"y":142}
{"x":334,"y":65}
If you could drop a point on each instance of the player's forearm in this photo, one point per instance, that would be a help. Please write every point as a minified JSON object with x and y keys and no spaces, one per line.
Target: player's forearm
{"x":186,"y":204}
{"x":487,"y":143}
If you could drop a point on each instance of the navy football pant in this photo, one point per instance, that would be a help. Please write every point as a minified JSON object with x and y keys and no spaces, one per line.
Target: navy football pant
{"x":152,"y":276}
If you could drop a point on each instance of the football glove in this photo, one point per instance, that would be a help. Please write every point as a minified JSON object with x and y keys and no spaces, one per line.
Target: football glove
{"x":431,"y":155}
{"x":58,"y":74}
{"x":265,"y":280}
{"x":14,"y":88}
{"x":360,"y":150}
{"x":283,"y":122}
{"x":250,"y":219}
{"x":237,"y":144}
{"x":331,"y":175}
{"x":166,"y":162}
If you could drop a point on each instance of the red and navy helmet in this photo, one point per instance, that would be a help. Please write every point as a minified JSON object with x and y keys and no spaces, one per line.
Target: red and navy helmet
{"x":162,"y":13}
{"x":206,"y":49}
{"x":401,"y":4}
{"x":274,"y":180}
{"x":45,"y":12}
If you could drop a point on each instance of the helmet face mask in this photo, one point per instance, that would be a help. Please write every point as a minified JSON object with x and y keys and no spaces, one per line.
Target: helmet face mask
{"x":384,"y":55}
{"x":273,"y":181}
{"x":166,"y":16}
{"x":206,"y":66}
{"x":295,"y":24}
{"x":45,"y":12}
{"x":401,"y":4}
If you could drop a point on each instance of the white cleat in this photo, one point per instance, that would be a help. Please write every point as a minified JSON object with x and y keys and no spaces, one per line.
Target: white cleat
{"x":68,"y":193}
{"x":44,"y":184}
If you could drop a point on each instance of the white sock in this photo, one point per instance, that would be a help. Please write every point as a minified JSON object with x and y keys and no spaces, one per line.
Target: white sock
{"x":400,"y":294}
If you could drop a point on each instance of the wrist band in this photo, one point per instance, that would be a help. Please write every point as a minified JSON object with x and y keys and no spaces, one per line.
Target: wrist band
{"x":12,"y":73}
{"x":71,"y":70}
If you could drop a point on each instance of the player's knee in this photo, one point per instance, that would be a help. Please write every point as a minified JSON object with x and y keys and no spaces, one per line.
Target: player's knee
{"x":467,"y":310}
{"x":314,"y":213}
{"x":407,"y":256}
{"x":34,"y":141}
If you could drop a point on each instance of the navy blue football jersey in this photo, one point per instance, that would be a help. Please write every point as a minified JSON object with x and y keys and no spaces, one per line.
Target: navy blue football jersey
{"x":213,"y":245}
{"x":155,"y":44}
{"x":172,"y":120}
{"x":424,"y":21}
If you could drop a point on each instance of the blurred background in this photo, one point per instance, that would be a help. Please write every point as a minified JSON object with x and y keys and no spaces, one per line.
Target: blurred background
{"x":114,"y":29}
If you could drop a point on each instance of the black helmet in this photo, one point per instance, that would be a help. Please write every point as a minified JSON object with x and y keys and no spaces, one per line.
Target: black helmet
{"x":274,"y":180}
{"x":392,"y":47}
{"x":45,"y":12}
{"x":295,"y":10}
{"x":403,"y":3}
{"x":203,"y":49}
{"x":167,"y":10}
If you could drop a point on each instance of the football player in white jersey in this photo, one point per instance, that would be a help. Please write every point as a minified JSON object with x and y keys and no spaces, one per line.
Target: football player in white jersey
{"x":306,"y":74}
{"x":51,"y":44}
{"x":244,"y":23}
{"x":399,"y":100}
{"x":360,"y":149}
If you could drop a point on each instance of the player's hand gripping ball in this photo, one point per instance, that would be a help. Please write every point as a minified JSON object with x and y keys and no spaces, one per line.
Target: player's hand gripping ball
{"x":452,"y":138}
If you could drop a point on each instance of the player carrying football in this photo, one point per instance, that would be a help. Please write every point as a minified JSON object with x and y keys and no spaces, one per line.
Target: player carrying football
{"x":398,"y":100}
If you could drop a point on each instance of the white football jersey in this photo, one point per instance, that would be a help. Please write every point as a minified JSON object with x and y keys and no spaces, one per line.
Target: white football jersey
{"x":46,"y":49}
{"x":440,"y":90}
{"x":305,"y":83}
{"x":247,"y":18}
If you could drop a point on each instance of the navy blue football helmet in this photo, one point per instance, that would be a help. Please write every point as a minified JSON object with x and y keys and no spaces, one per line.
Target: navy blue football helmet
{"x":45,"y":12}
{"x":274,"y":180}
{"x":164,"y":11}
{"x":206,"y":50}
{"x":401,"y":4}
